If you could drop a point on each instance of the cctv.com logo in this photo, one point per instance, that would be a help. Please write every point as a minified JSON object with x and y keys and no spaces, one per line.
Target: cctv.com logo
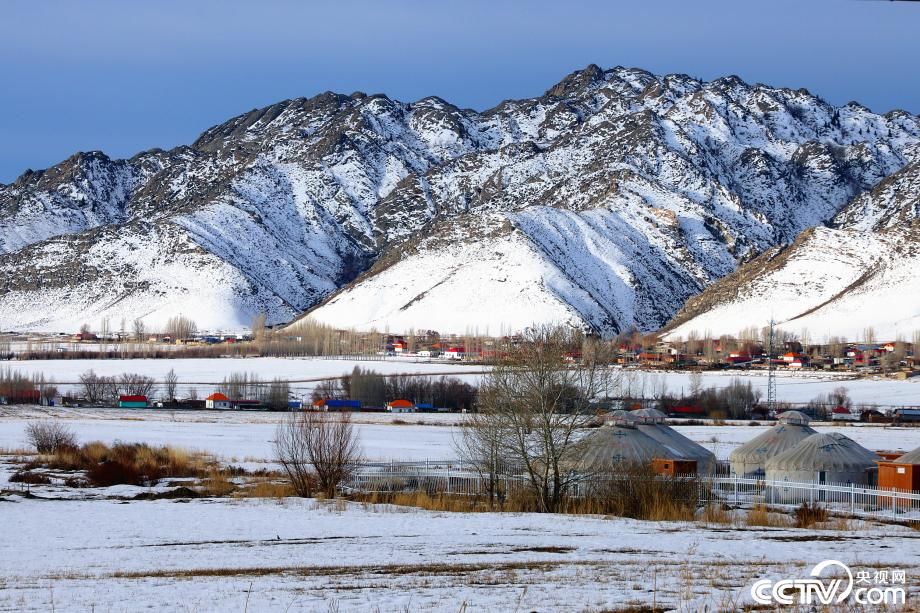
{"x":886,"y":589}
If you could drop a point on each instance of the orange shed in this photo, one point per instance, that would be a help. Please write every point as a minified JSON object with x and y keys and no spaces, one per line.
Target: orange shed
{"x":902,"y":473}
{"x":670,"y":467}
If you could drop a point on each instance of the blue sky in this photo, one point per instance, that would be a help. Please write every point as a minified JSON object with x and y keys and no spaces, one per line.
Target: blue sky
{"x":128,"y":76}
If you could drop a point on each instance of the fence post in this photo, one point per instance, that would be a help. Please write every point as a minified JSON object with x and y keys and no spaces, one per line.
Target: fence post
{"x":852,"y":499}
{"x":735,"y":484}
{"x":448,"y":478}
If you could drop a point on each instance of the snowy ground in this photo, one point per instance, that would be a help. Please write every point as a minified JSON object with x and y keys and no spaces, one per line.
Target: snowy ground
{"x":204,"y":374}
{"x":300,"y":555}
{"x":67,"y":553}
{"x":246,"y":437}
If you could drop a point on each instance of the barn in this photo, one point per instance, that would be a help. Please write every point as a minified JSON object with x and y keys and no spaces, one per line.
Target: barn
{"x":749,"y":460}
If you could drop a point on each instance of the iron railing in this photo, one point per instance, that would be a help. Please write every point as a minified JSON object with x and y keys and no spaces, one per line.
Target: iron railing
{"x":455,"y":477}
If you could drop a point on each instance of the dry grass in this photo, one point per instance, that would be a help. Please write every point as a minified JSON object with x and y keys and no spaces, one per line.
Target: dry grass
{"x":760,"y":516}
{"x":123,"y":463}
{"x":717,"y":514}
{"x":217,"y":484}
{"x":265,"y":489}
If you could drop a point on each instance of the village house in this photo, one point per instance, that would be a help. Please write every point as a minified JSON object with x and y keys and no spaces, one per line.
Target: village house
{"x":401,"y":406}
{"x":126,"y":401}
{"x":217,"y":401}
{"x":455,"y":353}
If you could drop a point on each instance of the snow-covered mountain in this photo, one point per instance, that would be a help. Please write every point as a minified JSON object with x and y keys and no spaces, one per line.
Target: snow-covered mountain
{"x":860,"y":273}
{"x":608,"y":202}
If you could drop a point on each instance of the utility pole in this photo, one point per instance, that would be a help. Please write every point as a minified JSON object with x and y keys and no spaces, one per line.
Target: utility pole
{"x":771,"y":371}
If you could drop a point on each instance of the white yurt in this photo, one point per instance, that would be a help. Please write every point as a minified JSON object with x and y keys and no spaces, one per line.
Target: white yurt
{"x":621,"y":442}
{"x":825,"y":458}
{"x":911,"y":457}
{"x":750,"y":459}
{"x":652,"y":422}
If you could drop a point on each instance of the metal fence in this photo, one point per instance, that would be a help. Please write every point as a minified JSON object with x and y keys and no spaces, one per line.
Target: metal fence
{"x":453,"y":477}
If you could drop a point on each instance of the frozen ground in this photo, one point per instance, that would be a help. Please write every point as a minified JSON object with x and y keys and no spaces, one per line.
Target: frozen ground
{"x":300,"y":555}
{"x":204,"y":375}
{"x":247,"y":437}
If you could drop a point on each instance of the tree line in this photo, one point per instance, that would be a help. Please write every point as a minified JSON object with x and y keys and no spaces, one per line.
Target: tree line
{"x":373,"y":389}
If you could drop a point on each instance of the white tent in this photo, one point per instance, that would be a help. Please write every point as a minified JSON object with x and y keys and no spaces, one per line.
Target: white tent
{"x":621,"y":443}
{"x":911,"y":457}
{"x":652,"y":423}
{"x":749,"y":460}
{"x":824,"y":458}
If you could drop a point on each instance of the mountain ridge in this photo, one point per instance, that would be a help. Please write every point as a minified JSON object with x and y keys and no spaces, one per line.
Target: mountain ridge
{"x":617,"y":194}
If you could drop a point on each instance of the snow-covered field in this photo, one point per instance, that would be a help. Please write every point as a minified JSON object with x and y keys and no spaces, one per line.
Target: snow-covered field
{"x":303,"y":555}
{"x":204,"y":374}
{"x":246,"y":437}
{"x":300,"y":555}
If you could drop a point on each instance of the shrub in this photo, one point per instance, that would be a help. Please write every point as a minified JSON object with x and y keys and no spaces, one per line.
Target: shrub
{"x":49,"y":437}
{"x":30,"y":478}
{"x":809,"y":514}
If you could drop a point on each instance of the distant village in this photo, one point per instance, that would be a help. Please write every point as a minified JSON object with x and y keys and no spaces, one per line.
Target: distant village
{"x":632,"y":352}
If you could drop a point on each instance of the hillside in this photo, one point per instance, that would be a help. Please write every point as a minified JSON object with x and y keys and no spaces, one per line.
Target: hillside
{"x":841,"y":280}
{"x":608,"y":201}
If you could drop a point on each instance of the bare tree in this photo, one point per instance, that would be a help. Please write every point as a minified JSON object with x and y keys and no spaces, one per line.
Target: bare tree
{"x":479,"y":445}
{"x":170,"y":381}
{"x":324,"y":442}
{"x":138,"y":330}
{"x":278,"y":394}
{"x":532,"y":406}
{"x":93,"y":386}
{"x":696,"y":383}
{"x":134,"y":384}
{"x":50,"y":437}
{"x":48,"y":389}
{"x":181,"y":327}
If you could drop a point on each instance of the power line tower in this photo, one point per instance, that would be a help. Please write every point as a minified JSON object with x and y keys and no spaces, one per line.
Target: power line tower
{"x":771,"y":371}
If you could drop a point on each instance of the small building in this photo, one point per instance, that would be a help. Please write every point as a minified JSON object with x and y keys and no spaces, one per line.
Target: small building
{"x":401,"y":406}
{"x":901,"y":473}
{"x":336,"y":404}
{"x":132,"y":402}
{"x":842,"y":413}
{"x":455,"y":353}
{"x":687,"y":411}
{"x":217,"y":401}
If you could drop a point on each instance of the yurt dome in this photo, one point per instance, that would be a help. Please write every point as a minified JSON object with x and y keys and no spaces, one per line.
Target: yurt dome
{"x":621,"y":444}
{"x":749,"y":460}
{"x":793,"y":417}
{"x":650,"y":424}
{"x":650,"y":415}
{"x":824,"y":458}
{"x":911,"y":457}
